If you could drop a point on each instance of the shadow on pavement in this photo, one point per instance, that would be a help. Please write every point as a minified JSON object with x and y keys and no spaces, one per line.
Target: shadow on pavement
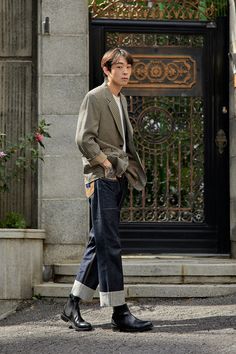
{"x":188,"y":325}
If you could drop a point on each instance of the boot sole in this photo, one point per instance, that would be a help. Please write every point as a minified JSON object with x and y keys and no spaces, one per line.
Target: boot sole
{"x":116,"y":328}
{"x":72,"y":325}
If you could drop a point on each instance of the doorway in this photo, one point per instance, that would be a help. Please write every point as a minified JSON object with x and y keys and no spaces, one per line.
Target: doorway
{"x":178,"y":106}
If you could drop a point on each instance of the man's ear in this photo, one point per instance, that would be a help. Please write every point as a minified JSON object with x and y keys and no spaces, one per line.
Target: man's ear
{"x":106,"y":70}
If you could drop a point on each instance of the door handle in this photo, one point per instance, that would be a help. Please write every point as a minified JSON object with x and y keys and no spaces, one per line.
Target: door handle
{"x":221,"y":141}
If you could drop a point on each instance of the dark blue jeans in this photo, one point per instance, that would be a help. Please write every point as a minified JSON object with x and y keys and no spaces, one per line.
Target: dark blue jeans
{"x":102,"y":263}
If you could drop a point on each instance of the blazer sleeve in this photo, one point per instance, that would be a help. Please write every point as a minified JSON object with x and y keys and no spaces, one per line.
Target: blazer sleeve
{"x":87,"y":130}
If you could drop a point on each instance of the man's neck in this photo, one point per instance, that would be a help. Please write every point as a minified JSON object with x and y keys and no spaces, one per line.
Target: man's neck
{"x":115,"y":90}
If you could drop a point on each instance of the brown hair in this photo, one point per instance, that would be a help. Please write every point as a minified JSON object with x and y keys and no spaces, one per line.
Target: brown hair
{"x":112,"y":55}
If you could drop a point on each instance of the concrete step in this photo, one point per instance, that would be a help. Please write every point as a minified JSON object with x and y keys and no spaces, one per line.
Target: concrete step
{"x":165,"y":271}
{"x":147,"y":290}
{"x":162,"y":280}
{"x":152,"y":276}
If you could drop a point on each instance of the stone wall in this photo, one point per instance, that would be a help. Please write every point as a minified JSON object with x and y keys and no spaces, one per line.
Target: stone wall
{"x":232,"y":129}
{"x":63,"y":82}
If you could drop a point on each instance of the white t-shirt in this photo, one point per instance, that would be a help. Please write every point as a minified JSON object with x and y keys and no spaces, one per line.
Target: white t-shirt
{"x":118,"y":101}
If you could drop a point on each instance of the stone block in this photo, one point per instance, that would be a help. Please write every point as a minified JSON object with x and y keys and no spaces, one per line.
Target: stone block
{"x":65,"y":221}
{"x":62,"y":253}
{"x":62,"y":94}
{"x":21,"y":261}
{"x":62,"y":177}
{"x":62,"y":130}
{"x":70,"y":17}
{"x":64,"y":55}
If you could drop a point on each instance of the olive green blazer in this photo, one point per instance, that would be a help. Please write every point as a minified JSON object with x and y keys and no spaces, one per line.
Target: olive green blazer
{"x":99,"y":136}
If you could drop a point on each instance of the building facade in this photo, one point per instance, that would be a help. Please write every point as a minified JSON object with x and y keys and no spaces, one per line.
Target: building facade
{"x":182,"y":106}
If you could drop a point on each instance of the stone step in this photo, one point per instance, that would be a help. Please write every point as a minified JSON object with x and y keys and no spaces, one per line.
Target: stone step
{"x":158,"y":277}
{"x":147,"y":290}
{"x":162,"y":280}
{"x":163,"y":271}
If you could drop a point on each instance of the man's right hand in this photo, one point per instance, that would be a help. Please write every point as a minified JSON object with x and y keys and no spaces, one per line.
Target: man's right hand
{"x":106,"y":164}
{"x":109,"y":171}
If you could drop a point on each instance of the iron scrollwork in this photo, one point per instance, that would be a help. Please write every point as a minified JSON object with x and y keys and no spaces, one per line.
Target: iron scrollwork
{"x":177,"y":72}
{"x":166,"y":71}
{"x":155,"y":40}
{"x":154,"y":10}
{"x":168,"y":133}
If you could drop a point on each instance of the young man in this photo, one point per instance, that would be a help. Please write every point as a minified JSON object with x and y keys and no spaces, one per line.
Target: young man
{"x":104,"y":137}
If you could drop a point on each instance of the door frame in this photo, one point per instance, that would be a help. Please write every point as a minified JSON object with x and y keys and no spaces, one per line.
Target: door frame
{"x":211,"y":237}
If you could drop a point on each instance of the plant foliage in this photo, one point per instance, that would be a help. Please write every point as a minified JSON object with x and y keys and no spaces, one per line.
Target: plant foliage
{"x":13,"y":221}
{"x":17,"y":157}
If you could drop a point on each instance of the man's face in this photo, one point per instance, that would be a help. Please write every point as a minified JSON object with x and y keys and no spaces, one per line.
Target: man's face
{"x":120,"y":72}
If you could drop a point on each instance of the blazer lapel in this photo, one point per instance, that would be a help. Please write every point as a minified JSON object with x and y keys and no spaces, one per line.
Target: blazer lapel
{"x":114,"y":110}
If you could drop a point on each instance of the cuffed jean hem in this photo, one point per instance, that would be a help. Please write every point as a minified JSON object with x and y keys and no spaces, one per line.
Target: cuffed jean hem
{"x":82,"y":291}
{"x":113,"y":298}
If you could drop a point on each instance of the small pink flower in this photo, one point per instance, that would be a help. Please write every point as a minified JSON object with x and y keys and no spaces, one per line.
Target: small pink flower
{"x":2,"y":154}
{"x":38,"y":137}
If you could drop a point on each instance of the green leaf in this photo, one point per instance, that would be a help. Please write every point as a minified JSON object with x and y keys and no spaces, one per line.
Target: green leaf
{"x":41,"y":144}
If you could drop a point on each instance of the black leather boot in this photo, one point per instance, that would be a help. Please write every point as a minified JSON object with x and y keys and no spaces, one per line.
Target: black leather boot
{"x":71,"y":313}
{"x":123,"y":320}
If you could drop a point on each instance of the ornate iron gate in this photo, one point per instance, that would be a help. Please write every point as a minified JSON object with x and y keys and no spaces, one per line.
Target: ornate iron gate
{"x":168,"y":128}
{"x":18,"y":38}
{"x":174,"y":105}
